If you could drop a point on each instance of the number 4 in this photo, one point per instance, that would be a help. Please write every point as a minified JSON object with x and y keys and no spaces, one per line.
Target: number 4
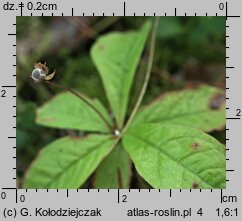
{"x":200,"y":212}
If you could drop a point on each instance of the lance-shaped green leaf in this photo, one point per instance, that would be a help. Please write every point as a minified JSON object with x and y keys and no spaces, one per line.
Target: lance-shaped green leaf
{"x":169,"y":156}
{"x":116,"y":57}
{"x":67,"y":111}
{"x":68,"y":162}
{"x":115,"y":170}
{"x":202,"y":108}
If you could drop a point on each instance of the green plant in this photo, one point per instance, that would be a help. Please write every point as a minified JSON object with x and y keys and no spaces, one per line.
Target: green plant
{"x":165,"y":140}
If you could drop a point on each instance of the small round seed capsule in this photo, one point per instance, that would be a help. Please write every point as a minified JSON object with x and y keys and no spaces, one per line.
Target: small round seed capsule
{"x":38,"y":75}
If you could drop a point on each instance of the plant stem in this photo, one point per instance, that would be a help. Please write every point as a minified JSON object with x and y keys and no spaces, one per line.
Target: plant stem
{"x":105,"y":23}
{"x":80,"y":96}
{"x":147,"y":75}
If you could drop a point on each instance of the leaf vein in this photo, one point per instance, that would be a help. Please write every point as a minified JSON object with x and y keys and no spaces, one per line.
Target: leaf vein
{"x":76,"y":161}
{"x":170,"y":157}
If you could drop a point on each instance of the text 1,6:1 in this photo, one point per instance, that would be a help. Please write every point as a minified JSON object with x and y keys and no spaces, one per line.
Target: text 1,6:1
{"x":224,"y":212}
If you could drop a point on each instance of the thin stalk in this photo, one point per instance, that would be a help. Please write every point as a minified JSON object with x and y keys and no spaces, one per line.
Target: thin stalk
{"x":147,"y":75}
{"x":83,"y":99}
{"x":105,"y":23}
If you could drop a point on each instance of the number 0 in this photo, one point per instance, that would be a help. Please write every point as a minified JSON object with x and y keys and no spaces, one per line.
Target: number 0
{"x":3,"y":195}
{"x":221,"y":6}
{"x":22,"y":198}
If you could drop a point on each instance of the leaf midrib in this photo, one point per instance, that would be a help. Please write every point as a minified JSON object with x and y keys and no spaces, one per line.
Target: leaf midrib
{"x":123,"y":80}
{"x":76,"y":161}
